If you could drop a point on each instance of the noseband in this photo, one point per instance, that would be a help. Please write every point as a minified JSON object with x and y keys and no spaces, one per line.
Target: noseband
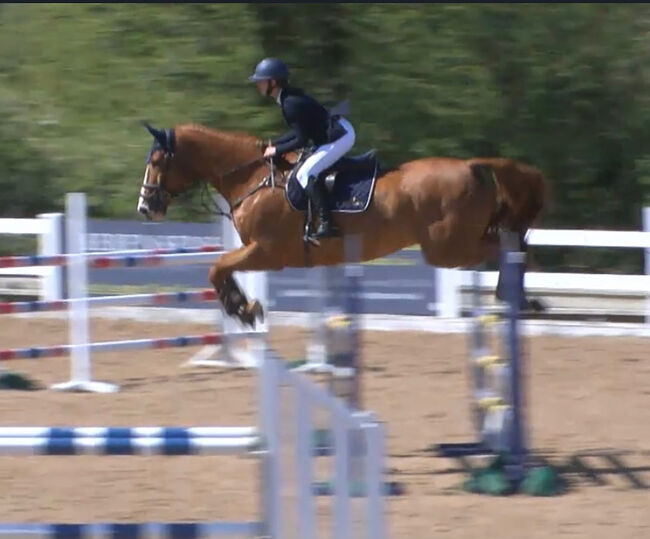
{"x":155,"y":194}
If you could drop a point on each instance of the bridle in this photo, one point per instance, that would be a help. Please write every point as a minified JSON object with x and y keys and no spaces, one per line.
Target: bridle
{"x":157,"y":197}
{"x":155,"y":194}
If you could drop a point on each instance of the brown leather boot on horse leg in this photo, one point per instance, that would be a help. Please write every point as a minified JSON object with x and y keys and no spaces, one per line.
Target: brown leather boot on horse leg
{"x":235,"y":303}
{"x":445,"y":205}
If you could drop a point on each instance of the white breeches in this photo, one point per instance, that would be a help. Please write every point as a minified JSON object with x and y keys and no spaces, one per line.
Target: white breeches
{"x":326,"y":155}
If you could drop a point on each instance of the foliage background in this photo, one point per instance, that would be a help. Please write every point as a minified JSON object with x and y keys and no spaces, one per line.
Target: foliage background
{"x":565,"y":87}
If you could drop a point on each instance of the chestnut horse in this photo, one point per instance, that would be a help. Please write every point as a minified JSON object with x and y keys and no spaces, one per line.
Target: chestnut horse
{"x":452,"y":208}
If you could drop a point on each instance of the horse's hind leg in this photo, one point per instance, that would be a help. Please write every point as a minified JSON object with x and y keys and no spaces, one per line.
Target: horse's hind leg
{"x":526,"y":304}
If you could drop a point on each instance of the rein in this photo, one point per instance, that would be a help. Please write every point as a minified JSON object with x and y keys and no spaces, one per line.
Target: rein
{"x":241,"y":167}
{"x":267,"y":181}
{"x":207,"y":201}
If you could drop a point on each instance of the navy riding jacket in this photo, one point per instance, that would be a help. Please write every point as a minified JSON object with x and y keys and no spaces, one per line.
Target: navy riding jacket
{"x":308,"y":120}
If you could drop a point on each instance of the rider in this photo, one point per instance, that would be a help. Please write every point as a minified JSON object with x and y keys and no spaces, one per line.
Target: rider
{"x":310,"y":122}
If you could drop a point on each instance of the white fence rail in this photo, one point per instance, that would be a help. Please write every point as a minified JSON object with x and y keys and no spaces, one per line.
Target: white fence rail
{"x":592,"y":238}
{"x":451,"y":282}
{"x":47,"y":227}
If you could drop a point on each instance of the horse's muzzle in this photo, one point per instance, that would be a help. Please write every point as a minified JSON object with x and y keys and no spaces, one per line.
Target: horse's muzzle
{"x":153,"y":204}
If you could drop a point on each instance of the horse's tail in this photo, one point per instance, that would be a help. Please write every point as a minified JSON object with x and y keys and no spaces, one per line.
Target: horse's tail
{"x":522,"y":192}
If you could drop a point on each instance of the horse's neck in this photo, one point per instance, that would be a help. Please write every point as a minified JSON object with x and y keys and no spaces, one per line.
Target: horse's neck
{"x":226,"y":161}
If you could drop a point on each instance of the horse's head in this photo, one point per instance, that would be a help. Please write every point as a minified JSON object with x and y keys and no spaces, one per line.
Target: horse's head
{"x":162,"y":177}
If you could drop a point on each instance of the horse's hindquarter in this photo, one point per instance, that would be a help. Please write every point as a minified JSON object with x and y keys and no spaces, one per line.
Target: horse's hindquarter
{"x":522,"y":188}
{"x":444,"y":189}
{"x":452,"y":208}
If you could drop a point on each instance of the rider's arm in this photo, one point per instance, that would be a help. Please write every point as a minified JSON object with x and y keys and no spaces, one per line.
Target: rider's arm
{"x":293,"y":108}
{"x":293,"y":143}
{"x":286,"y":137}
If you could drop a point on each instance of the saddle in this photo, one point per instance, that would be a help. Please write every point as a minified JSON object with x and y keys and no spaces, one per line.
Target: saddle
{"x":350,"y":183}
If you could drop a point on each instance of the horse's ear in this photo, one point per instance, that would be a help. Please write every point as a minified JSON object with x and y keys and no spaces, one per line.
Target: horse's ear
{"x":148,"y":127}
{"x":158,"y":134}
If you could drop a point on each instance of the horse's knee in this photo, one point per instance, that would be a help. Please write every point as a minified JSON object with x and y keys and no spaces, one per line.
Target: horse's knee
{"x":216,"y":276}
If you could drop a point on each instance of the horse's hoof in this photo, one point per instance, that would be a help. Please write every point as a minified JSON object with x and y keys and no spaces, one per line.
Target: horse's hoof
{"x":251,"y":313}
{"x":256,"y":310}
{"x":247,"y":320}
{"x":536,"y":305}
{"x":528,"y":305}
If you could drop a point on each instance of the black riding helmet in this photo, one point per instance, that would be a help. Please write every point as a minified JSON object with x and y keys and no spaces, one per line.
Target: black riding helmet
{"x":270,"y":68}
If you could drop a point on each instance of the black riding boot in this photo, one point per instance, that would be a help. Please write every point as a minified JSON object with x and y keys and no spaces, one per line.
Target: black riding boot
{"x":317,"y":193}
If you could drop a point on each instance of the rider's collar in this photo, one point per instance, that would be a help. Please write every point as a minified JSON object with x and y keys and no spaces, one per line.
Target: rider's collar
{"x":278,"y":99}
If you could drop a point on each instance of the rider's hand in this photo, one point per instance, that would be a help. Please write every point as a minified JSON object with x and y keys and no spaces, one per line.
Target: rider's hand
{"x":270,"y":151}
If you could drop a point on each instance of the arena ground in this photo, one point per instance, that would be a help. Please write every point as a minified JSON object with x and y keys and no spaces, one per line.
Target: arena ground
{"x":589,"y":411}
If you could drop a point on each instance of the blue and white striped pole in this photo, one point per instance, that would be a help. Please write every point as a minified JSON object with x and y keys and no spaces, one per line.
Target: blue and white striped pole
{"x":150,"y":530}
{"x":128,"y":446}
{"x":513,"y":264}
{"x":127,"y":432}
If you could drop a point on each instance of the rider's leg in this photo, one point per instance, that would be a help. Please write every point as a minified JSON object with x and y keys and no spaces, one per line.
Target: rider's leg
{"x":317,"y":193}
{"x":308,"y":175}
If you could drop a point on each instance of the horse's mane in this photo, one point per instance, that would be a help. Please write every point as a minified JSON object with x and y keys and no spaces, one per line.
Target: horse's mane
{"x":227,"y":136}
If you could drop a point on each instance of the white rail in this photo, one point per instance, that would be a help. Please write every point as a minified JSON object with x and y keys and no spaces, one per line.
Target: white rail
{"x":47,"y":227}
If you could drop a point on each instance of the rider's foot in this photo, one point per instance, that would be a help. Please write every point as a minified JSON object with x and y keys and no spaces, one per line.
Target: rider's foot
{"x":326,"y":230}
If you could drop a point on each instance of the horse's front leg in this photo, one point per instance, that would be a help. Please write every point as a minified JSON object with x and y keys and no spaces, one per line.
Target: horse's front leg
{"x":235,"y":303}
